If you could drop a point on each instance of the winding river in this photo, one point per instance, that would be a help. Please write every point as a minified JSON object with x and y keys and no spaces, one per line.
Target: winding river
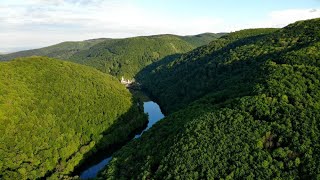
{"x":153,"y":110}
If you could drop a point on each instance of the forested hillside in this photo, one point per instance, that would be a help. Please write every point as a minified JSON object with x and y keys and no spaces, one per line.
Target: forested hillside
{"x":251,"y":110}
{"x":61,"y":51}
{"x":120,"y":57}
{"x":186,"y":77}
{"x":53,"y":114}
{"x":202,"y":39}
{"x":126,"y":57}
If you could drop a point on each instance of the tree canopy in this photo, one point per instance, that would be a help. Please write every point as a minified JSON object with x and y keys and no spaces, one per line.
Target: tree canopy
{"x":246,"y":106}
{"x":120,"y":57}
{"x":54,"y":113}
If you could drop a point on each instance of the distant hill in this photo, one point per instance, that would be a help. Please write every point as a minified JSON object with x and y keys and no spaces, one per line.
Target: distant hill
{"x":61,"y":51}
{"x":246,"y":106}
{"x":202,"y":39}
{"x":2,"y":56}
{"x":121,"y":57}
{"x":53,"y":114}
{"x":126,"y":57}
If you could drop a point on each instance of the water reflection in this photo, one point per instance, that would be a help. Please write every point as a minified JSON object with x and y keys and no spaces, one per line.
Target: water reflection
{"x":154,"y":112}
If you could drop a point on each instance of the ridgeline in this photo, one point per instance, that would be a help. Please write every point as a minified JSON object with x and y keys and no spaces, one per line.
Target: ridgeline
{"x":55,"y":114}
{"x":246,"y":106}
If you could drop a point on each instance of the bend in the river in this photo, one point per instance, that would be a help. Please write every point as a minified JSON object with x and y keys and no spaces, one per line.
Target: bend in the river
{"x":154,"y":115}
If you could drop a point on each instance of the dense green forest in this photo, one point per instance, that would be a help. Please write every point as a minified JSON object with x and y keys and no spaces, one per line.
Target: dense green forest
{"x":62,"y":50}
{"x":54,"y":114}
{"x":178,"y":81}
{"x":121,"y":57}
{"x":126,"y":57}
{"x":202,"y":39}
{"x":246,"y":106}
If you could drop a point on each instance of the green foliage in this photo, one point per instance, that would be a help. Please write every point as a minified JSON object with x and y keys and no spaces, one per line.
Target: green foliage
{"x":61,"y":51}
{"x":202,"y":39}
{"x":247,"y":106}
{"x":53,"y":114}
{"x":120,"y":57}
{"x":182,"y":80}
{"x":126,"y":57}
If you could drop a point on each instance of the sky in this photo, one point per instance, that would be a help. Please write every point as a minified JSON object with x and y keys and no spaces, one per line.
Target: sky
{"x":27,"y":24}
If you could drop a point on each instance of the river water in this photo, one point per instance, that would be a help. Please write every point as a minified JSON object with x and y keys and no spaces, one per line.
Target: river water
{"x":154,"y":112}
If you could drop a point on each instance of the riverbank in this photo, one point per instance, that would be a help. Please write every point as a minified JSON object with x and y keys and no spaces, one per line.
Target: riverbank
{"x":154,"y":115}
{"x":128,"y":125}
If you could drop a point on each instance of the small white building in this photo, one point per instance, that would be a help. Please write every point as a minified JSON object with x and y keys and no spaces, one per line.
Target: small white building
{"x":127,"y":82}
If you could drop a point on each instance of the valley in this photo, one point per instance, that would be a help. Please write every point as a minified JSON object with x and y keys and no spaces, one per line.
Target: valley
{"x":238,"y":105}
{"x":244,"y":106}
{"x":154,"y":113}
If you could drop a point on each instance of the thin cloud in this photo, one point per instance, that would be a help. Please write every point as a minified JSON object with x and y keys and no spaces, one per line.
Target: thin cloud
{"x":313,"y":10}
{"x":61,"y":20}
{"x":278,"y":19}
{"x":282,"y":18}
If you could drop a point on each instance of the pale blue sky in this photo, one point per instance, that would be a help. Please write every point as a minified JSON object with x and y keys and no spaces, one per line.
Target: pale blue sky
{"x":28,"y":24}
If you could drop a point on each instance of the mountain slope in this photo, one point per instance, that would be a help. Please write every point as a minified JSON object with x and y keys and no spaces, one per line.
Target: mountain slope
{"x":61,"y":51}
{"x":202,"y":39}
{"x":120,"y":57}
{"x":126,"y":57}
{"x":53,"y":114}
{"x":251,"y":111}
{"x":181,"y":80}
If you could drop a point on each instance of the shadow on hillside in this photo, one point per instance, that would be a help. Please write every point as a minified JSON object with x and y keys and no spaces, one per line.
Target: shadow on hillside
{"x":230,"y":81}
{"x":227,"y":82}
{"x":123,"y":130}
{"x":143,"y":76}
{"x":174,"y":88}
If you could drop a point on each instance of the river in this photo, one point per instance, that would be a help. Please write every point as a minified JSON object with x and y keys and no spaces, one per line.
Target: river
{"x":154,"y":115}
